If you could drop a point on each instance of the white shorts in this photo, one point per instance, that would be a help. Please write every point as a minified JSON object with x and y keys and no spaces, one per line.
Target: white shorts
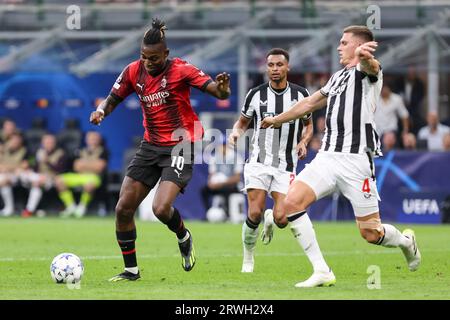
{"x":351,"y":174}
{"x":9,"y":178}
{"x":29,"y":177}
{"x":268,"y":178}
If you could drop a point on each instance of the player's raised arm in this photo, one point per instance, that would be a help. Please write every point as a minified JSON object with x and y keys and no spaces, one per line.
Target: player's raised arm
{"x":367,"y":60}
{"x":307,"y":105}
{"x":220,"y":88}
{"x":105,"y":108}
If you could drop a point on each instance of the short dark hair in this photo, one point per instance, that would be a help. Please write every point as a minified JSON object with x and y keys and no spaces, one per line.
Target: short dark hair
{"x":157,"y":33}
{"x":360,"y":31}
{"x":278,"y":51}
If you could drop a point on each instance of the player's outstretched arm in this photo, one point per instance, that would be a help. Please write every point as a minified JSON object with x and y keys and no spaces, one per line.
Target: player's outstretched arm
{"x":307,"y":105}
{"x":105,"y":108}
{"x":220,"y":88}
{"x":367,"y":60}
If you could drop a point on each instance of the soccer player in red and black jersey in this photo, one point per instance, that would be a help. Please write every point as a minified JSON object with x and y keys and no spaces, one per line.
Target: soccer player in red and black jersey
{"x":163,"y":87}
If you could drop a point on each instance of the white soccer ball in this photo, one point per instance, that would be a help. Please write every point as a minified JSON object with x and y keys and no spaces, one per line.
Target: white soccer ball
{"x":215,"y":214}
{"x":66,"y":268}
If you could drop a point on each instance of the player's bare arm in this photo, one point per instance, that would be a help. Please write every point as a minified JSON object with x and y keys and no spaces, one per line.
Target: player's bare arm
{"x":307,"y":133}
{"x":367,"y":60}
{"x":105,"y":108}
{"x":307,"y":105}
{"x":220,"y":88}
{"x":239,"y":127}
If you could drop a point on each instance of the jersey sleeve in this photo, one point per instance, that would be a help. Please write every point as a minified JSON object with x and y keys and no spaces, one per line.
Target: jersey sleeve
{"x":248,"y":109}
{"x":325,"y":90}
{"x":195,"y":77}
{"x":123,"y":86}
{"x":307,"y":116}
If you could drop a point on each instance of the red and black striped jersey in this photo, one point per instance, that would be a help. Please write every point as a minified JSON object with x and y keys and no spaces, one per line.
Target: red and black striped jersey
{"x":165,"y":100}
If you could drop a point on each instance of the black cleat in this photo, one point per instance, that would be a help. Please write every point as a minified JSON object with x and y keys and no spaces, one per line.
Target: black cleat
{"x":125,"y":276}
{"x":187,"y":253}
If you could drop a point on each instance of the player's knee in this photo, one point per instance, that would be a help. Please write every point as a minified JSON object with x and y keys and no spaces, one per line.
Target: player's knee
{"x":89,"y":187}
{"x":255,"y":214}
{"x":371,"y":235}
{"x":161,"y":209}
{"x":280,"y":219}
{"x":293,"y":205}
{"x":124,"y":212}
{"x":59,"y":183}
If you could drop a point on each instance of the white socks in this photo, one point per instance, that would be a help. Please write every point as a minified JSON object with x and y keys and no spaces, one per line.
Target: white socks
{"x":133,"y":270}
{"x":34,"y":198}
{"x":303,"y":231}
{"x":8,"y":199}
{"x":249,"y":238}
{"x":393,"y":238}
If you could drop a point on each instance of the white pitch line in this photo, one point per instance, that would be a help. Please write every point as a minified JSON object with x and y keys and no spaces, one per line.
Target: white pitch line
{"x":275,"y":254}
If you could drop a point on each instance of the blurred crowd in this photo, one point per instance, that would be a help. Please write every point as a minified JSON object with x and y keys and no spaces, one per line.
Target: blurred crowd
{"x":40,"y":161}
{"x":401,"y":120}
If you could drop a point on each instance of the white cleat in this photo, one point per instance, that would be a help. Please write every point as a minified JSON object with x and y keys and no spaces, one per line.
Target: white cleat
{"x":68,"y":211}
{"x":247,"y":267}
{"x":267,"y":233}
{"x":80,"y":211}
{"x":412,"y":253}
{"x":249,"y":261}
{"x":318,"y":279}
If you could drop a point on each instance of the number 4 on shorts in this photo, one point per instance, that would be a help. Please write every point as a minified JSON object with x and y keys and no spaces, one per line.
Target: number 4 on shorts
{"x":366,"y":186}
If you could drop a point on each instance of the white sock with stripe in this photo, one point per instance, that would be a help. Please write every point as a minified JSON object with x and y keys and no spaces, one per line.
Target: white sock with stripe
{"x":303,"y":231}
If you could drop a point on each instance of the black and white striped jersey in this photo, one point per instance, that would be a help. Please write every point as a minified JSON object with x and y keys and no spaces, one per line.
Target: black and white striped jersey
{"x":350,"y":123}
{"x":274,"y":147}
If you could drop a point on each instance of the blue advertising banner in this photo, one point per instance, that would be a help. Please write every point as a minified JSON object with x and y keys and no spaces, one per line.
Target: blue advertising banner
{"x":420,"y":207}
{"x":412,"y":186}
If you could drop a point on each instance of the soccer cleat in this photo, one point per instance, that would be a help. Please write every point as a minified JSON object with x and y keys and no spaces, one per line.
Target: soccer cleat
{"x":26,"y":213}
{"x":80,"y":211}
{"x":6,"y":212}
{"x":412,"y":253}
{"x":187,"y":253}
{"x":67,"y":212}
{"x":267,"y":233}
{"x":125,"y":276}
{"x":249,"y":261}
{"x":247,"y":267}
{"x":318,"y":279}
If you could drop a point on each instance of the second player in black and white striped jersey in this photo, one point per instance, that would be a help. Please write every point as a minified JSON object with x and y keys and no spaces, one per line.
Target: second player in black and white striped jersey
{"x":275,"y":147}
{"x":274,"y":153}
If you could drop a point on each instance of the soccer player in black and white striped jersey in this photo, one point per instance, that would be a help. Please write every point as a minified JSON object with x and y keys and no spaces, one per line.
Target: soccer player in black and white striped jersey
{"x":344,"y":161}
{"x":274,"y":154}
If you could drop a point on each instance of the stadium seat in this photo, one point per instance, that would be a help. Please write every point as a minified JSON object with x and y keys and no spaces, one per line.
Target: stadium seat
{"x":70,"y":137}
{"x":33,"y":136}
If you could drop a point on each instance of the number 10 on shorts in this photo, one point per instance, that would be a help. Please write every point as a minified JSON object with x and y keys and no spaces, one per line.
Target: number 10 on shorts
{"x":177,"y":162}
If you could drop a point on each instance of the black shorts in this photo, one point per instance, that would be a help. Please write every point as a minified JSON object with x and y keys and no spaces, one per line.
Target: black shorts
{"x":152,"y":162}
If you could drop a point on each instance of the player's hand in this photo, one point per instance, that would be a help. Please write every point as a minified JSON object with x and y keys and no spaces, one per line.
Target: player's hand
{"x":96,"y":117}
{"x":223,"y":82}
{"x":302,"y":150}
{"x":233,"y":137}
{"x":366,"y":50}
{"x":270,"y":122}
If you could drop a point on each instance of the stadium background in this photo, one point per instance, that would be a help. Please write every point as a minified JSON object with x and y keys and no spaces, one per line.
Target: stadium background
{"x":50,"y":72}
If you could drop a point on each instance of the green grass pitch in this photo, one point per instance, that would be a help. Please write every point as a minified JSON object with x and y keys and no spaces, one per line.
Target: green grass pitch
{"x":28,"y":246}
